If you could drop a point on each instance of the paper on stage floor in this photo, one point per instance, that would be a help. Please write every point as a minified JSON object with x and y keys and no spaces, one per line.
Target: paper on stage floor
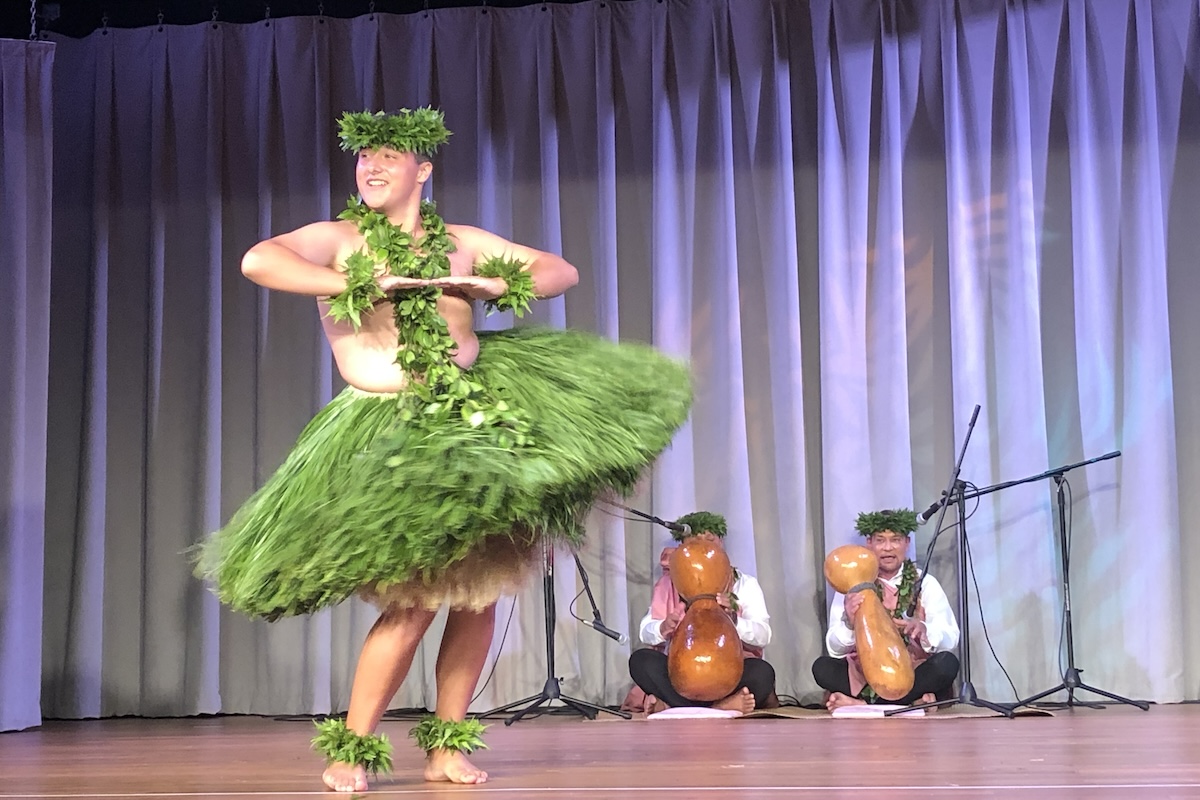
{"x":691,"y":712}
{"x":859,"y":711}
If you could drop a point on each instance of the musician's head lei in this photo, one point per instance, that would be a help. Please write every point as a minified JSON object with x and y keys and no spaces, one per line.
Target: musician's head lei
{"x":701,"y":522}
{"x":419,"y":131}
{"x":900,"y":520}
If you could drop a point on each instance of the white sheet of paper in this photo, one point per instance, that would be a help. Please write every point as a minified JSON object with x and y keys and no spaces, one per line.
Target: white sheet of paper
{"x":694,"y":712}
{"x":873,"y":711}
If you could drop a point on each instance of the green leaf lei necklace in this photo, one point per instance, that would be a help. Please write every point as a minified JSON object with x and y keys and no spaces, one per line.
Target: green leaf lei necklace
{"x":438,"y":389}
{"x":904,"y":592}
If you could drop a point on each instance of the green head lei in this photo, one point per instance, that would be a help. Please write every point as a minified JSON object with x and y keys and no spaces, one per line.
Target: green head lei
{"x":419,"y":131}
{"x":701,"y":522}
{"x":900,"y":520}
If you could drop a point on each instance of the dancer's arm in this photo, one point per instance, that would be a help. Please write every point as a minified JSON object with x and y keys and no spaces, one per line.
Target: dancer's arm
{"x":300,"y":261}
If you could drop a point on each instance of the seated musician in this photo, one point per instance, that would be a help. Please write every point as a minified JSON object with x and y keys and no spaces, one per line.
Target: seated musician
{"x":930,"y":636}
{"x":743,"y":601}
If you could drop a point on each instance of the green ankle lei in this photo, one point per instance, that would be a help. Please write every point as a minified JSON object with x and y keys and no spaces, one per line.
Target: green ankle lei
{"x":435,"y":733}
{"x":340,"y":744}
{"x":438,"y":389}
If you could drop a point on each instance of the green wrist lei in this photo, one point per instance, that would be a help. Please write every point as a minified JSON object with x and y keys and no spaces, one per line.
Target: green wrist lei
{"x":360,"y":293}
{"x":438,"y":389}
{"x":340,"y":744}
{"x":520,"y":285}
{"x":434,"y":733}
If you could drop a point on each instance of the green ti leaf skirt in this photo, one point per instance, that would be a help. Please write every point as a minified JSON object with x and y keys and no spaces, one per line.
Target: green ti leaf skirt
{"x":409,"y":516}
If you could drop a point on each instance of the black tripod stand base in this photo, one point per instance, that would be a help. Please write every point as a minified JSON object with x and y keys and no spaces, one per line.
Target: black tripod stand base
{"x":966,"y":697}
{"x":1072,"y":684}
{"x":551,"y":691}
{"x":552,"y":688}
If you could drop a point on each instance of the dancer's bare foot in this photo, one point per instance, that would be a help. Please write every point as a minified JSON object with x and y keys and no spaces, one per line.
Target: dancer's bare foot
{"x":453,"y":766}
{"x":741,"y":701}
{"x":345,"y":777}
{"x":651,"y":705}
{"x":928,"y":697}
{"x":837,"y":700}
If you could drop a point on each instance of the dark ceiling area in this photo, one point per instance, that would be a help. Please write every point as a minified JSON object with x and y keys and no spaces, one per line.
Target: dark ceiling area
{"x":80,"y":17}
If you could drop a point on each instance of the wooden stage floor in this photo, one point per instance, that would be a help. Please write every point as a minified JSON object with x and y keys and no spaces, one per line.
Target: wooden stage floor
{"x":1113,"y":752}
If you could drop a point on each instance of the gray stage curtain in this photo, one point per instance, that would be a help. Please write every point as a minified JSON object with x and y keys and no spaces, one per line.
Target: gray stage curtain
{"x":855,"y":219}
{"x":26,"y":131}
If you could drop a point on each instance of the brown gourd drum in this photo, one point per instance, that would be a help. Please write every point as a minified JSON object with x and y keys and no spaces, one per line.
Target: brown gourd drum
{"x":704,"y":661}
{"x":885,"y":661}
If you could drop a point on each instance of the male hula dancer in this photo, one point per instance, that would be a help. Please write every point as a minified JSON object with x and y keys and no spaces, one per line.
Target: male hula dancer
{"x":433,"y":477}
{"x":929,"y":636}
{"x":743,"y":601}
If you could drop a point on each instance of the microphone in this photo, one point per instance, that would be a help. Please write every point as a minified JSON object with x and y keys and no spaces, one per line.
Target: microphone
{"x":599,"y":626}
{"x":595,"y":624}
{"x":928,"y":514}
{"x":674,"y":526}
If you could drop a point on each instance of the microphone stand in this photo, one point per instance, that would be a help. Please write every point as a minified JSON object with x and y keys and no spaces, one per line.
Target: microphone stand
{"x":955,"y":494}
{"x":673,"y":526}
{"x":552,"y":689}
{"x":1071,"y":680}
{"x":944,"y":502}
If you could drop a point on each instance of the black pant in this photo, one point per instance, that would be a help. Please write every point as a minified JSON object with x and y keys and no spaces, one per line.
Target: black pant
{"x":932,"y":676}
{"x":648,"y":668}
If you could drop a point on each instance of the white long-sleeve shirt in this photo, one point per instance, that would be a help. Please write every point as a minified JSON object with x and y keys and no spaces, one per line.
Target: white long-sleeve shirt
{"x":753,"y":621}
{"x":941,"y":629}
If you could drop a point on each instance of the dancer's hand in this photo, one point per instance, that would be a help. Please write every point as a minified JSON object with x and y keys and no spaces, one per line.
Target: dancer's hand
{"x":474,"y":286}
{"x":395,"y":283}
